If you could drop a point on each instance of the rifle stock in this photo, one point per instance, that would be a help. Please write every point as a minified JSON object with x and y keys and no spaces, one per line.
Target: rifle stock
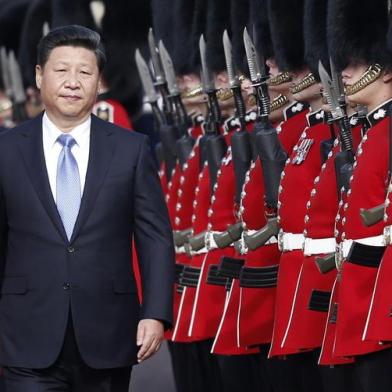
{"x":181,"y":236}
{"x":232,"y":234}
{"x":259,"y":238}
{"x":373,"y":215}
{"x":326,"y":263}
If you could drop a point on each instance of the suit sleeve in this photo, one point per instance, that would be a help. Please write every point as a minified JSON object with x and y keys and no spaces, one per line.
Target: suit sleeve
{"x":153,"y":240}
{"x":3,"y":235}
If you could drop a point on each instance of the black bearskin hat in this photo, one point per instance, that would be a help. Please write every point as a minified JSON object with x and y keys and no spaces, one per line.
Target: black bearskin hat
{"x":239,"y":20}
{"x":259,"y":23}
{"x":356,"y":32}
{"x":12,"y":14}
{"x":38,"y":13}
{"x":199,"y":23}
{"x":121,"y":38}
{"x":183,"y":50}
{"x":218,"y":20}
{"x":65,"y":12}
{"x":315,"y":34}
{"x":286,"y":24}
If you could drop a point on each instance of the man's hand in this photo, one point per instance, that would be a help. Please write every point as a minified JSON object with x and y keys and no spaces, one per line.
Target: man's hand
{"x":149,"y":337}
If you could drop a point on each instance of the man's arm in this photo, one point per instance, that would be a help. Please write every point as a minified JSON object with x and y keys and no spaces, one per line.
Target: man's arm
{"x":155,"y":250}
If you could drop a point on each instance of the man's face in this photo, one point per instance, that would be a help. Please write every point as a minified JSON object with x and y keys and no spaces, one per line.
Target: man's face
{"x":69,"y":83}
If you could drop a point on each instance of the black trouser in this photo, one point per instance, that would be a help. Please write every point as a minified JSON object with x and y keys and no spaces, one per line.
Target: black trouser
{"x":195,"y":368}
{"x":242,"y":373}
{"x":296,"y":373}
{"x":68,"y":374}
{"x":374,"y":371}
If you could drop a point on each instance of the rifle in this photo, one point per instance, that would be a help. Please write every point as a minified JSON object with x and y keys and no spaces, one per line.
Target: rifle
{"x":168,"y":131}
{"x":185,"y":143}
{"x":270,"y":151}
{"x":213,"y":145}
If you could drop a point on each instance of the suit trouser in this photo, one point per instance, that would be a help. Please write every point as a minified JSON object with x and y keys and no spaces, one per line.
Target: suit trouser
{"x":68,"y":374}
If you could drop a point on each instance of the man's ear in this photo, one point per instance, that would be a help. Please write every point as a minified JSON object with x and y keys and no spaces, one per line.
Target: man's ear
{"x":387,"y":76}
{"x":38,"y":76}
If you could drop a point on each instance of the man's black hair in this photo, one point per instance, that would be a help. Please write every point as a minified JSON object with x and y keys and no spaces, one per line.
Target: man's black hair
{"x":72,"y":35}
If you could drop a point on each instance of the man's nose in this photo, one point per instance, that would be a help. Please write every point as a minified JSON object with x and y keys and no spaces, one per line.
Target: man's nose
{"x":72,"y":80}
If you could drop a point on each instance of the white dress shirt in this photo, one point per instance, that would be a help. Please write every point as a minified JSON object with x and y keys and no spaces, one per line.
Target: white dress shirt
{"x":52,"y":149}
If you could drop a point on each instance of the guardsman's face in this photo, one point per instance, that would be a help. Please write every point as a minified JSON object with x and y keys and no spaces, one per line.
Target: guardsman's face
{"x":274,"y":71}
{"x":69,"y":83}
{"x":350,"y":75}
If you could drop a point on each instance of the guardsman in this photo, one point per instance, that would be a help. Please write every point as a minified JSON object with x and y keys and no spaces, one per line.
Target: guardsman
{"x":309,"y":308}
{"x":297,"y":181}
{"x":252,"y":321}
{"x":365,"y":62}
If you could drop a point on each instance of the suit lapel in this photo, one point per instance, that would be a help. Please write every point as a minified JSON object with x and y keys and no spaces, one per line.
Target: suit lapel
{"x":100,"y":155}
{"x":31,"y":148}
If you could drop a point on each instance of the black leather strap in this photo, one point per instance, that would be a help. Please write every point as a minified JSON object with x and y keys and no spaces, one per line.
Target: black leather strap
{"x":319,"y":301}
{"x":259,"y":277}
{"x":366,"y":255}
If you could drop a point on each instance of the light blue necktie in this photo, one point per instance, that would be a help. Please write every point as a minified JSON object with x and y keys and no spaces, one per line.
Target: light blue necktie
{"x":68,"y":184}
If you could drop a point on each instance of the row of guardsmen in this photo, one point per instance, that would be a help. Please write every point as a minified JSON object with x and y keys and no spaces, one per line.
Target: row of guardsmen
{"x":277,"y":173}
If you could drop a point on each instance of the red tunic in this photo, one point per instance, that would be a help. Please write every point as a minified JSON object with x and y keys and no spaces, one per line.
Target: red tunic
{"x":296,"y":184}
{"x":113,"y":111}
{"x":256,"y":313}
{"x":357,"y":281}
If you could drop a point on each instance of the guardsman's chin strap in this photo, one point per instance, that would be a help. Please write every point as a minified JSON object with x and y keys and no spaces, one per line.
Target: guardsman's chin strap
{"x":370,"y":75}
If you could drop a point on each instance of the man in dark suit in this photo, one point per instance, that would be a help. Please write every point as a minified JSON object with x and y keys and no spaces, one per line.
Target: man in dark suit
{"x":74,"y":190}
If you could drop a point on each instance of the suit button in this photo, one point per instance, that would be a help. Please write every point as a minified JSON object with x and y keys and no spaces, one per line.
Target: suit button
{"x":66,"y":286}
{"x":71,"y":249}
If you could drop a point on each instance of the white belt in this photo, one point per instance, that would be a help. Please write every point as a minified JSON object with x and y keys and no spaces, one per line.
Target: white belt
{"x":272,"y":240}
{"x":319,"y":246}
{"x":180,"y":250}
{"x":200,"y":251}
{"x":244,"y":249}
{"x":290,"y":241}
{"x":209,"y":240}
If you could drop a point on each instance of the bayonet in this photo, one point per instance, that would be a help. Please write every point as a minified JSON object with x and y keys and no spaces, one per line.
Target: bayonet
{"x":155,"y":59}
{"x":207,"y":76}
{"x":185,"y":144}
{"x":18,"y":93}
{"x":209,"y":89}
{"x":45,"y":29}
{"x":337,"y":82}
{"x":145,"y":77}
{"x":330,"y":92}
{"x":148,"y":86}
{"x":5,"y":72}
{"x":258,"y":76}
{"x":267,"y":144}
{"x":232,"y":73}
{"x":212,"y":145}
{"x":160,"y":80}
{"x":344,"y":159}
{"x":168,"y":70}
{"x":16,"y":79}
{"x":240,"y":143}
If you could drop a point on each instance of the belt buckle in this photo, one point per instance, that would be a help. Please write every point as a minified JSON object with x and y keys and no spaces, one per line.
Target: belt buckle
{"x":305,"y":245}
{"x":339,"y":256}
{"x":387,"y":235}
{"x":242,"y":248}
{"x":207,"y":240}
{"x":280,"y":240}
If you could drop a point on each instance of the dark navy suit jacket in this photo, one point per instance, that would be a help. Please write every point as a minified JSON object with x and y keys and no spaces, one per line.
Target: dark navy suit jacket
{"x":44,"y":276}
